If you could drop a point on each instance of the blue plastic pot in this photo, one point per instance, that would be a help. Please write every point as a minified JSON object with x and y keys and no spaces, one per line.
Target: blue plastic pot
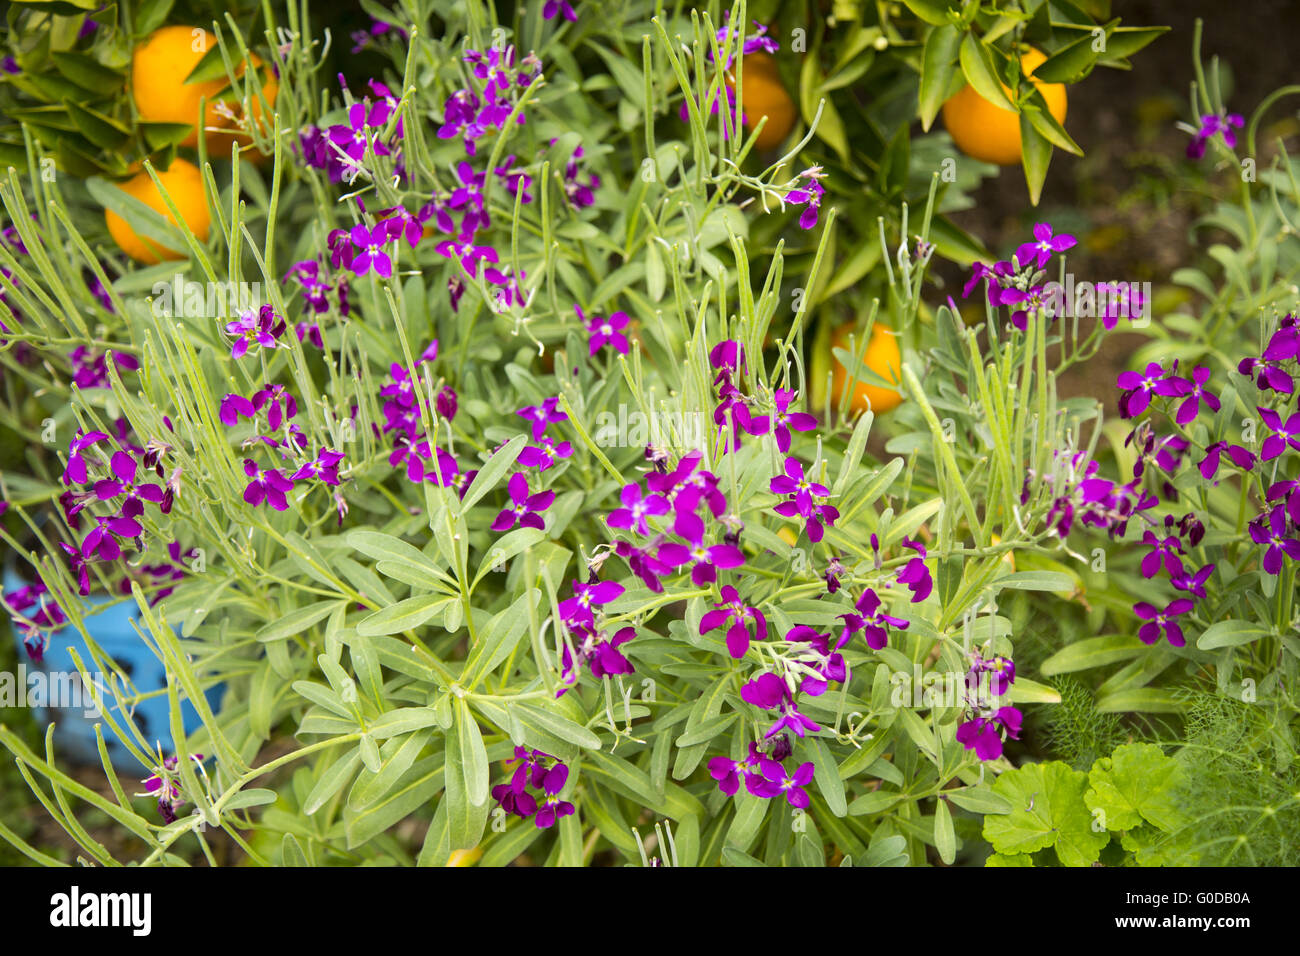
{"x":74,"y":732}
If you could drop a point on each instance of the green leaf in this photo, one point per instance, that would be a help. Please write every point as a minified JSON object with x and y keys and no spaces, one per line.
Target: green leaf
{"x":1070,"y":64}
{"x":99,"y":129}
{"x":497,"y":641}
{"x":945,"y":838}
{"x":1035,"y":156}
{"x":877,"y":801}
{"x":472,"y":753}
{"x":827,"y":775}
{"x":493,"y":470}
{"x":1092,"y":652}
{"x":979,"y":800}
{"x":1036,"y":581}
{"x":251,"y":798}
{"x":87,"y":72}
{"x":938,"y":64}
{"x":403,"y":616}
{"x":977,"y":67}
{"x":295,"y":622}
{"x":401,"y":721}
{"x":1047,"y":810}
{"x":1230,"y":634}
{"x":1137,"y":782}
{"x":553,"y":723}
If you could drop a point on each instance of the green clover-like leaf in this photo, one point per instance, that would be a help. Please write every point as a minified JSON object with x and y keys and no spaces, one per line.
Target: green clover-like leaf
{"x":1133,"y":784}
{"x":1047,"y":810}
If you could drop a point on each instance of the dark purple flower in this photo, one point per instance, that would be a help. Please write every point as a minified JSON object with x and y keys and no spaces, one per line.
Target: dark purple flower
{"x":75,"y":471}
{"x":1161,"y":622}
{"x":577,"y":609}
{"x":1040,"y":250}
{"x":982,"y":734}
{"x":632,"y":515}
{"x":371,"y":244}
{"x":1271,"y":529}
{"x":269,"y":486}
{"x":262,"y":328}
{"x":543,"y":415}
{"x":703,"y":560}
{"x":525,"y":509}
{"x":735,"y":613}
{"x":1140,"y":386}
{"x":1284,"y":433}
{"x":792,"y":785}
{"x":1167,"y":550}
{"x":729,"y":772}
{"x":325,"y":466}
{"x":785,"y":420}
{"x":870,"y":620}
{"x":607,"y":331}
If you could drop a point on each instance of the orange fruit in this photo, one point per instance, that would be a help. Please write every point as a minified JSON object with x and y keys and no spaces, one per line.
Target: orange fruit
{"x":987,"y":132}
{"x":161,"y":63}
{"x":184,"y":183}
{"x":158,"y":67}
{"x":764,"y":95}
{"x":219,"y":143}
{"x":883,"y":357}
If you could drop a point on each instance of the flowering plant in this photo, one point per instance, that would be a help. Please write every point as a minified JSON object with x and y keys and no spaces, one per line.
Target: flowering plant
{"x":505,"y":508}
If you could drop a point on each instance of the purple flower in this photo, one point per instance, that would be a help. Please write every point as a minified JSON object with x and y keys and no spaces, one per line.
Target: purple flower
{"x":607,"y":331}
{"x":636,"y":509}
{"x":809,"y":196}
{"x":870,"y":620}
{"x":446,"y":405}
{"x":102,"y":542}
{"x":525,"y":509}
{"x":735,"y":613}
{"x":543,"y":415}
{"x":916,"y":574}
{"x":552,"y":807}
{"x":728,"y":773}
{"x":1215,"y":125}
{"x":1044,"y":244}
{"x":552,"y":7}
{"x":1271,"y":529}
{"x":644,"y":564}
{"x":1139,"y":387}
{"x":75,"y":471}
{"x":1167,"y":550}
{"x":281,"y":404}
{"x":1284,"y":434}
{"x":124,"y":468}
{"x":269,"y":486}
{"x":1191,"y":406}
{"x":982,"y":734}
{"x":786,"y":419}
{"x":371,"y":244}
{"x":1193,"y":584}
{"x":577,"y":609}
{"x":802,"y":492}
{"x":543,"y":456}
{"x":324,"y":466}
{"x":260,"y":328}
{"x":792,"y":785}
{"x":1159,"y":622}
{"x":1242,"y":458}
{"x":703,"y":560}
